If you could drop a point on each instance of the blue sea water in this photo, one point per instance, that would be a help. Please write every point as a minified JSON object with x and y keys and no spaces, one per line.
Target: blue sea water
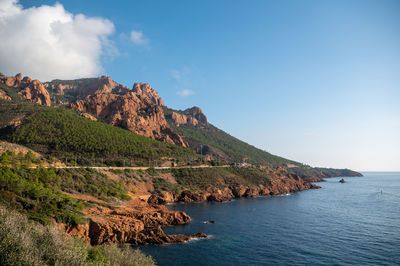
{"x":355,"y":223}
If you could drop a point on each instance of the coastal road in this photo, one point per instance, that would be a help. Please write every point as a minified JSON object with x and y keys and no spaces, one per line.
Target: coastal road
{"x":133,"y":168}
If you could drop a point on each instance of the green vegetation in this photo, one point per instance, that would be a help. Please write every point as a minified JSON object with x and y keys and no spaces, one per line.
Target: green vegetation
{"x":222,"y":146}
{"x":307,"y":172}
{"x":30,"y":190}
{"x":161,"y":184}
{"x":12,"y":92}
{"x":89,"y":181}
{"x":202,"y":178}
{"x":11,"y":158}
{"x":39,"y":191}
{"x":70,"y":95}
{"x":24,"y":242}
{"x":62,"y":133}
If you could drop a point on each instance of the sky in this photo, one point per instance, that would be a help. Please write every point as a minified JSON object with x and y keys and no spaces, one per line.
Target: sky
{"x":313,"y":81}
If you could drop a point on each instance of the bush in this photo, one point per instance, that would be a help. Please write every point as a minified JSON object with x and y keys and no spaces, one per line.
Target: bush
{"x":39,"y":191}
{"x":24,"y":242}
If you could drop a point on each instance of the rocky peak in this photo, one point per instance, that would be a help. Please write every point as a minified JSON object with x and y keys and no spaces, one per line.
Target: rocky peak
{"x":146,"y":93}
{"x":34,"y":90}
{"x":197,"y":113}
{"x":105,"y":84}
{"x":181,"y":119}
{"x":139,"y":110}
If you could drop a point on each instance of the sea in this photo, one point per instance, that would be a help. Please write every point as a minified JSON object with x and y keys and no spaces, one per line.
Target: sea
{"x":352,"y":223}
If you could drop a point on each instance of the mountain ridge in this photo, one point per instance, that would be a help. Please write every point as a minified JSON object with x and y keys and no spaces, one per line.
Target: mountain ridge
{"x":141,"y":111}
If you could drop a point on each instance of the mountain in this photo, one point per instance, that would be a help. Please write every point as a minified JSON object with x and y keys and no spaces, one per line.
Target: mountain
{"x":141,"y":111}
{"x":61,"y":133}
{"x":65,"y":130}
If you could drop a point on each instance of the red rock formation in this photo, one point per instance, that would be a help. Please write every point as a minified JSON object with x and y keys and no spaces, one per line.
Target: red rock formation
{"x":33,"y":90}
{"x":139,"y":111}
{"x":162,"y":198}
{"x":84,"y":87}
{"x":88,"y":116}
{"x":197,"y":113}
{"x":147,"y":94}
{"x":135,"y":225}
{"x":4,"y":96}
{"x":181,"y":119}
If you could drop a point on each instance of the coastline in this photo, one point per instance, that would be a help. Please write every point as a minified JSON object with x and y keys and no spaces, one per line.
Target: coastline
{"x":140,"y":222}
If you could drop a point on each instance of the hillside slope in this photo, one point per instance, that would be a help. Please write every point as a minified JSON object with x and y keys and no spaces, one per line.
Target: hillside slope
{"x":63,"y":133}
{"x":217,"y":145}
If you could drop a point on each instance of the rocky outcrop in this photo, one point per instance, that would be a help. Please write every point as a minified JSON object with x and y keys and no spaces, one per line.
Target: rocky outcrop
{"x":135,"y":225}
{"x":192,"y":116}
{"x":32,"y":90}
{"x":181,"y":119}
{"x":4,"y":96}
{"x":138,"y":110}
{"x":147,"y":94}
{"x":81,"y":88}
{"x":197,"y":113}
{"x":161,"y":198}
{"x":88,"y":116}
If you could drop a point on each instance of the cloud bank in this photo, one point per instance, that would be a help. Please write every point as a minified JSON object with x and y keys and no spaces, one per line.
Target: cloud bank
{"x":48,"y":42}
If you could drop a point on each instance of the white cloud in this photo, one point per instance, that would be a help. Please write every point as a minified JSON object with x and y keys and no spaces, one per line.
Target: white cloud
{"x":185,"y":92}
{"x":138,"y":38}
{"x":48,"y":42}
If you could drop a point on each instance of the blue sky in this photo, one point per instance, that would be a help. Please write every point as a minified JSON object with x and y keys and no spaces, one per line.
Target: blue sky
{"x":314,"y":81}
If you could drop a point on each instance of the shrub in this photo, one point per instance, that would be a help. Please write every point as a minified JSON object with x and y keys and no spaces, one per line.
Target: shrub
{"x":24,"y":242}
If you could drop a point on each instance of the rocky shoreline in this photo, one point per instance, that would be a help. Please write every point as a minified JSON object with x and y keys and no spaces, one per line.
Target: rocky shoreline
{"x":140,"y":222}
{"x":281,"y":185}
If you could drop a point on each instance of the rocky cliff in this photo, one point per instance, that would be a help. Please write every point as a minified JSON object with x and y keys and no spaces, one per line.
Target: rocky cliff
{"x":139,"y":224}
{"x":32,"y":90}
{"x":192,"y":116}
{"x":138,"y":110}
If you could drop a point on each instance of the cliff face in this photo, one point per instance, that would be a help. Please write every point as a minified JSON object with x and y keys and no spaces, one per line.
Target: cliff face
{"x":33,"y":90}
{"x":197,"y":113}
{"x":192,"y":116}
{"x":138,"y":110}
